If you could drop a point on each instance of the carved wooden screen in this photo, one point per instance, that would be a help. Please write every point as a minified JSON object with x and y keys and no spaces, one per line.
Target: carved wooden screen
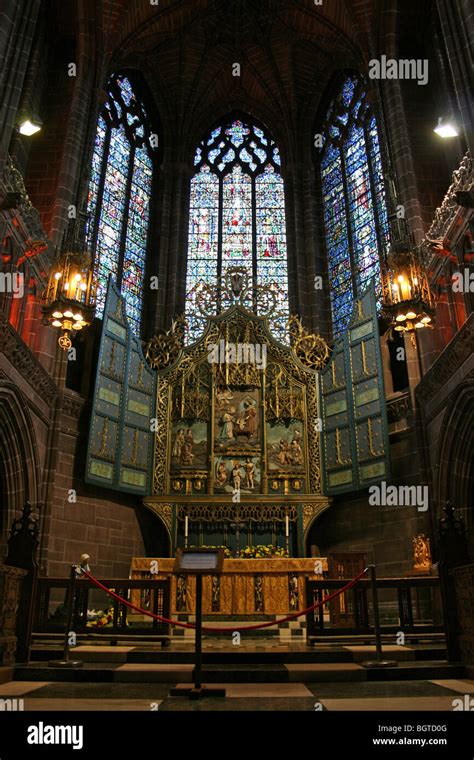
{"x":120,"y":450}
{"x":355,"y":429}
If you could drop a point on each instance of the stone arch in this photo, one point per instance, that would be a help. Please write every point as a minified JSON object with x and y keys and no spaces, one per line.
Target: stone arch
{"x":455,"y":456}
{"x":311,"y":515}
{"x":18,"y":456}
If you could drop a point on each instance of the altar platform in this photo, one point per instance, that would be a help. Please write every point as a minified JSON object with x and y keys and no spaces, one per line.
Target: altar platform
{"x":245,"y":587}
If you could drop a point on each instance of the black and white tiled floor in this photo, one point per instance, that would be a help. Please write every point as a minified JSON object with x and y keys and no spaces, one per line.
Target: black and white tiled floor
{"x":431,"y":695}
{"x":274,"y":677}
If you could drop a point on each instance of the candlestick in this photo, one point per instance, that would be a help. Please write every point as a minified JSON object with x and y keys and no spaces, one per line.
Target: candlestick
{"x":287,"y":534}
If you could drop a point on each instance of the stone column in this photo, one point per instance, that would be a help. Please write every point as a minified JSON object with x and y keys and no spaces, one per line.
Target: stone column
{"x":457,"y":24}
{"x":17,"y":27}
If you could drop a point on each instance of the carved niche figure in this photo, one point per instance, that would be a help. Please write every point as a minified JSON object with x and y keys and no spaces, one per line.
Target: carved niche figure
{"x":187,"y":455}
{"x":421,"y":553}
{"x":221,"y":474}
{"x":227,"y":424}
{"x":178,"y":444}
{"x":236,"y":476}
{"x":249,"y":473}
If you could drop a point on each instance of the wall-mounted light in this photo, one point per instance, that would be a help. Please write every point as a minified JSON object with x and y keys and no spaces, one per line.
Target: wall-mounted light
{"x":29,"y":125}
{"x":69,"y":300}
{"x":407,"y":300}
{"x":446,"y":127}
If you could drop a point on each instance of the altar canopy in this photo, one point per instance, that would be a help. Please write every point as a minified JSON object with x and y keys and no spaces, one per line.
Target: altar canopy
{"x":238,"y":439}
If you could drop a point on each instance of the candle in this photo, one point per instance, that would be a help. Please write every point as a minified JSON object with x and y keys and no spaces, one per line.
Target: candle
{"x":287,"y":526}
{"x":186,"y":526}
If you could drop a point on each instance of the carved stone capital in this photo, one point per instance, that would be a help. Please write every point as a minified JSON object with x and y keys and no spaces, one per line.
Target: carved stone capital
{"x":449,"y":360}
{"x":24,"y":361}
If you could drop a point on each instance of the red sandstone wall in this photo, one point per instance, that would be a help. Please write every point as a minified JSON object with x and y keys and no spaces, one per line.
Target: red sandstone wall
{"x":100,"y":523}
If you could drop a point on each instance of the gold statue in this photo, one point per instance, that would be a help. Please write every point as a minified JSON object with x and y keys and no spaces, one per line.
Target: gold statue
{"x":421,"y":553}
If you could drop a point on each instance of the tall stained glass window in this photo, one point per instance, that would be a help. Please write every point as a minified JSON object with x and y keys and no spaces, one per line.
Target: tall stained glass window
{"x":237,"y":216}
{"x":119,"y":197}
{"x":355,"y":214}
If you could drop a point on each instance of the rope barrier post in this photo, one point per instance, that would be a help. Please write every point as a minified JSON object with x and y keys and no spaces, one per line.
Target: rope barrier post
{"x":379,"y":662}
{"x":198,"y":562}
{"x":66,"y":662}
{"x":198,"y":635}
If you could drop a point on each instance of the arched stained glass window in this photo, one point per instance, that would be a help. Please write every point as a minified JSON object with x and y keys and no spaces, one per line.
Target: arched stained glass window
{"x":119,"y":196}
{"x":355,"y":214}
{"x":237,"y":216}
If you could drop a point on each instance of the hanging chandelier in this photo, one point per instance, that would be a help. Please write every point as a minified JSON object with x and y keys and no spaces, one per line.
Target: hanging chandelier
{"x":407,"y":301}
{"x":69,"y":300}
{"x":408,"y":304}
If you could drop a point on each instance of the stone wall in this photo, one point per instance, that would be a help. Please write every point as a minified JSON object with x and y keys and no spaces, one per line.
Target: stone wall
{"x":464,"y":581}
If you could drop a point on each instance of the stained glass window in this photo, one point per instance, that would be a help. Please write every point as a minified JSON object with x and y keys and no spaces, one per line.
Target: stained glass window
{"x":354,"y":207}
{"x":119,"y":197}
{"x":237,"y":217}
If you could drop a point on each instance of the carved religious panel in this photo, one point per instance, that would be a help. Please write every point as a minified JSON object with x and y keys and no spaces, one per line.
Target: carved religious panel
{"x":189,"y":444}
{"x":237,"y":426}
{"x":286,"y":447}
{"x":237,"y":474}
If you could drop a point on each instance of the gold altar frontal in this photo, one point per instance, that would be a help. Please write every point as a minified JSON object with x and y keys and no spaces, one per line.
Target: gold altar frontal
{"x":245,"y":587}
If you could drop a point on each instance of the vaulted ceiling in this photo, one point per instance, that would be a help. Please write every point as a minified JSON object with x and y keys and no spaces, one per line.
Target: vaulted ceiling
{"x":287,"y":50}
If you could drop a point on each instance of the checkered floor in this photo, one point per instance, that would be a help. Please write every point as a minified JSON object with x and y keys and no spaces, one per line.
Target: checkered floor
{"x":436,"y":695}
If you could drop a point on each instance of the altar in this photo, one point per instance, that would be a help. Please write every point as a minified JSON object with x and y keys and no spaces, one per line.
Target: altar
{"x":245,"y":587}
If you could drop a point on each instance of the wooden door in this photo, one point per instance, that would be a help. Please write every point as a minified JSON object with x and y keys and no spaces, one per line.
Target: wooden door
{"x":344,"y":565}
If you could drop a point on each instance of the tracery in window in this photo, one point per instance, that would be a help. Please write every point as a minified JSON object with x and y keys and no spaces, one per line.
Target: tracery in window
{"x":237,"y":216}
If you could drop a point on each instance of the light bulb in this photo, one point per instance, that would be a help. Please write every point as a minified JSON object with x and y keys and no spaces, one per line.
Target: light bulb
{"x":446,"y":128}
{"x":29,"y":127}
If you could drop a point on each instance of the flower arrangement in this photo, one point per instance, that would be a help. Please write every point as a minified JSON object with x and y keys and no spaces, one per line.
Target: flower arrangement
{"x":262,"y":551}
{"x":99,"y":618}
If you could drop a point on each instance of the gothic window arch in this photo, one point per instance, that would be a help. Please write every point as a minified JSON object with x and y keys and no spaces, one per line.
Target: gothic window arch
{"x":119,"y":196}
{"x":354,"y":205}
{"x":237,"y":216}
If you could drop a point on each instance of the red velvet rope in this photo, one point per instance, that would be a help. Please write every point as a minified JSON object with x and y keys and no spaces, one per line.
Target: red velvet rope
{"x":221,"y":630}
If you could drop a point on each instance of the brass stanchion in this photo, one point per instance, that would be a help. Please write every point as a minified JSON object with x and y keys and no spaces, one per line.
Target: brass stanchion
{"x":66,"y":662}
{"x":379,"y":662}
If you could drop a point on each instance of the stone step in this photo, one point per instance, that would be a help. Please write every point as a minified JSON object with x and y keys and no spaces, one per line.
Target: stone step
{"x":250,"y":652}
{"x":238,"y":673}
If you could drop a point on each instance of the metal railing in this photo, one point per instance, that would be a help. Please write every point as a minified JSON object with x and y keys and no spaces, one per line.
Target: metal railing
{"x":407,"y":605}
{"x":52,"y":605}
